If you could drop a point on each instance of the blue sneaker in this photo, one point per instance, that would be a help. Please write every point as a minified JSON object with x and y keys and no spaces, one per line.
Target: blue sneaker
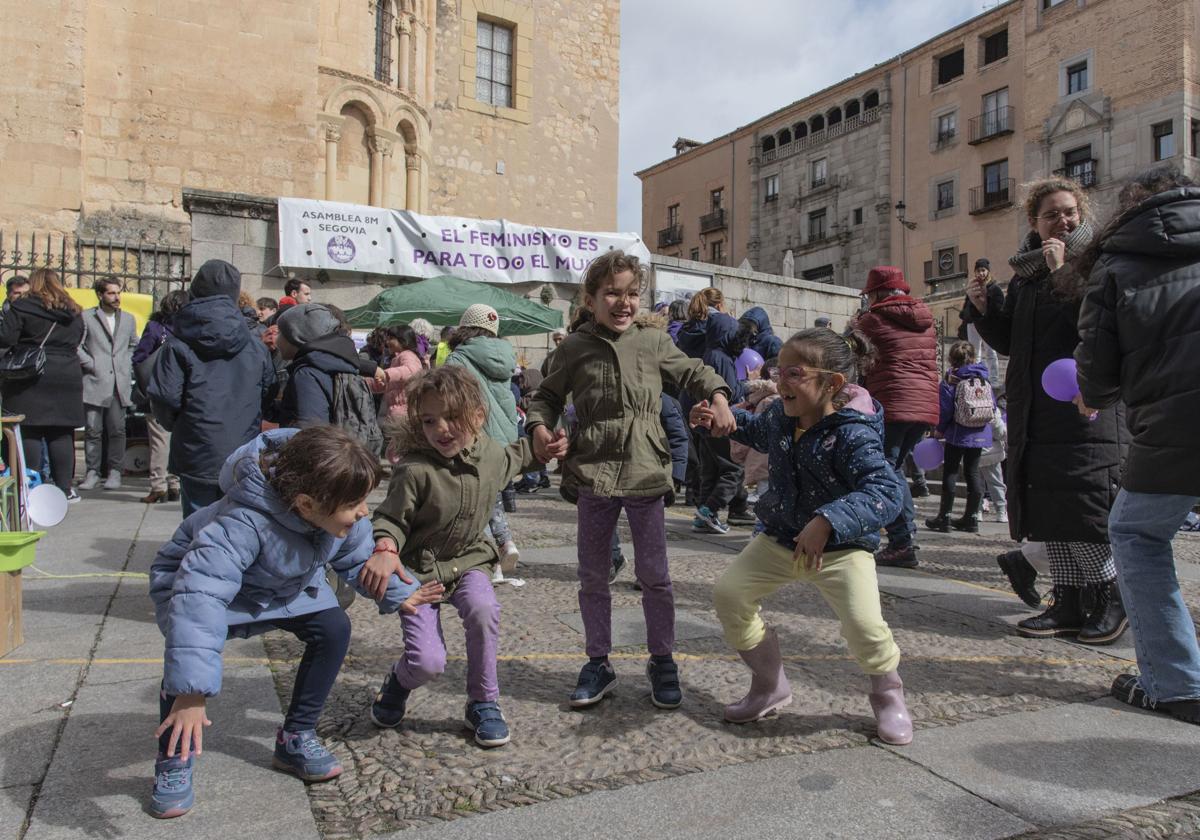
{"x":664,"y":683}
{"x":595,"y":680}
{"x":173,"y":796}
{"x":388,"y":709}
{"x":706,"y":520}
{"x":486,"y":720}
{"x":303,"y":755}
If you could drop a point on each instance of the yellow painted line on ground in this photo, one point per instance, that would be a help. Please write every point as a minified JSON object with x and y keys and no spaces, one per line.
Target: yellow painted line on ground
{"x":573,"y":657}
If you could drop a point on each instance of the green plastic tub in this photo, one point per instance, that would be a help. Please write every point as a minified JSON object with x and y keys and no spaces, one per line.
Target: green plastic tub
{"x":17,"y":549}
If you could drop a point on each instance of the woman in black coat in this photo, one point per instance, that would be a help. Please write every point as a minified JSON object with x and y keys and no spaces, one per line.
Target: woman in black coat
{"x":1064,"y":471}
{"x":53,"y":402}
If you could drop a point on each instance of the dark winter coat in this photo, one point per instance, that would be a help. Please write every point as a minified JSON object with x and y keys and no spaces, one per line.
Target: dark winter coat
{"x":766,"y":343}
{"x":905,"y":376}
{"x":676,"y":429}
{"x":836,"y":470}
{"x":56,"y":397}
{"x":208,"y":386}
{"x":721,"y":350}
{"x":690,"y":337}
{"x":1140,"y":339}
{"x":1063,"y":472}
{"x":308,"y":395}
{"x":954,"y":434}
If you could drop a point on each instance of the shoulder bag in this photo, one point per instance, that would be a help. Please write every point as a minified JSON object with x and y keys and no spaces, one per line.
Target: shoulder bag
{"x":22,"y":363}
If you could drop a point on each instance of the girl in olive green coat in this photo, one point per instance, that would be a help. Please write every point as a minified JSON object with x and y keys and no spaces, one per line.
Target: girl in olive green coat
{"x":619,"y":458}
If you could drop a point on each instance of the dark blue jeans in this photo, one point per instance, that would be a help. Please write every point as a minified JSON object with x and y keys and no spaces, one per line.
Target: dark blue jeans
{"x":898,"y":441}
{"x":326,"y":637}
{"x":194,"y":495}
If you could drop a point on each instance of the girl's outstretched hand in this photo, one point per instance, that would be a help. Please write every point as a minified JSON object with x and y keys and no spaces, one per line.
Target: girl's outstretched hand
{"x":723,"y":422}
{"x":378,"y":571}
{"x":429,"y":593}
{"x":810,"y":543}
{"x":186,"y":722}
{"x":542,"y":441}
{"x":701,"y":415}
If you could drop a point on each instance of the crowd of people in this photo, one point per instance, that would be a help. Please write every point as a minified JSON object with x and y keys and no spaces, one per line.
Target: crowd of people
{"x":276,"y":428}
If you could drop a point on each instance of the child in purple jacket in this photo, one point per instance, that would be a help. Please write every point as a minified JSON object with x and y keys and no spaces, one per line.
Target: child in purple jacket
{"x":963,"y":443}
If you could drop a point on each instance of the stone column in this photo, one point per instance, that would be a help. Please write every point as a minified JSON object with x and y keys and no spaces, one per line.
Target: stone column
{"x":413,"y":186}
{"x":405,"y":29}
{"x":333,"y":134}
{"x":375,"y":186}
{"x":384,"y":147}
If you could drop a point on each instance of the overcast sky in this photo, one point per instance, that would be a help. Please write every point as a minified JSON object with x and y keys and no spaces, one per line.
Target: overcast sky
{"x":701,"y":68}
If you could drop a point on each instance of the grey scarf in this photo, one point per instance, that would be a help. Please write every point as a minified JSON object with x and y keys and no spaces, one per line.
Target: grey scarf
{"x":1029,"y":263}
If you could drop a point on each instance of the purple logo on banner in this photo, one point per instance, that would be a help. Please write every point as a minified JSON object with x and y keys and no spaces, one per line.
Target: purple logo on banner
{"x":340,"y":249}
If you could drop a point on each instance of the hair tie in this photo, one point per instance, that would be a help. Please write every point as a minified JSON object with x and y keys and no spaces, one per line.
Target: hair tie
{"x":849,"y":343}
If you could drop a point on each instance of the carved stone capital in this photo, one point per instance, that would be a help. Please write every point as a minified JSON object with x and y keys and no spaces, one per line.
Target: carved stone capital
{"x":333,"y":133}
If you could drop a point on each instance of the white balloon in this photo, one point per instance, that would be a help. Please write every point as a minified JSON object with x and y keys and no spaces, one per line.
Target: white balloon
{"x":46,"y":505}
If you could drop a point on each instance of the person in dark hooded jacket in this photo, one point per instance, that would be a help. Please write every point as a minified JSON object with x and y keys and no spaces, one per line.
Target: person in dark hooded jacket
{"x":762,"y":338}
{"x":904,"y":378}
{"x":309,"y":337}
{"x":1139,"y":328}
{"x":720,"y":475}
{"x":209,"y":384}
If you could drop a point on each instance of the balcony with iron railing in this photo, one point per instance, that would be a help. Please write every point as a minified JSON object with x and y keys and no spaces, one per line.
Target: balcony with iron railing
{"x":991,"y":124}
{"x":1086,"y":172}
{"x":871,"y":115}
{"x":712,"y":221}
{"x":994,"y":196}
{"x":670,"y":235}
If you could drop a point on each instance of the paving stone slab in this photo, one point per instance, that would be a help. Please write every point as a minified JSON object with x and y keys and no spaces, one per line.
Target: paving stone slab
{"x":14,"y":803}
{"x":913,"y":583}
{"x":859,"y":792}
{"x":629,"y":626}
{"x":1065,"y":764}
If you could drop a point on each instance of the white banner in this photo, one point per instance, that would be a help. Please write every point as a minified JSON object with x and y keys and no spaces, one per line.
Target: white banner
{"x":376,"y":240}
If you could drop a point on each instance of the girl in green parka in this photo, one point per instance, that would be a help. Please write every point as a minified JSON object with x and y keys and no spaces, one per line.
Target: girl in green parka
{"x":619,"y":458}
{"x":476,"y":346}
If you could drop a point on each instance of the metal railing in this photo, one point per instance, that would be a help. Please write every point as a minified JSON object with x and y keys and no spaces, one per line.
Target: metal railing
{"x":991,"y":124}
{"x":985,"y":198}
{"x":148,"y":269}
{"x":670,"y":235}
{"x":712,"y":221}
{"x":1086,"y":172}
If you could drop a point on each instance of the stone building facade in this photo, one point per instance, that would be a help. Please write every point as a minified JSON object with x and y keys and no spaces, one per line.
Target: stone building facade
{"x":1094,"y":89}
{"x":119,"y":105}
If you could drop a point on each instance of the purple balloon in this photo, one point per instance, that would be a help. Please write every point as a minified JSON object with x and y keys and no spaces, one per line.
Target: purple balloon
{"x":928,"y":454}
{"x":748,"y":361}
{"x":1059,"y":380}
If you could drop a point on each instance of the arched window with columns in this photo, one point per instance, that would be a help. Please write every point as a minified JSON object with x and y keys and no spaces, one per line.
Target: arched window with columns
{"x":785,"y":137}
{"x":816,"y":123}
{"x":852,"y":108}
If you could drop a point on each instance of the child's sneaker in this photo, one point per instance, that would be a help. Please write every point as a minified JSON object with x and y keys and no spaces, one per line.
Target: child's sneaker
{"x":664,"y":682}
{"x":302,"y":754}
{"x":173,"y":796}
{"x":706,"y":520}
{"x":1001,"y":515}
{"x":388,"y":709}
{"x":486,"y":720}
{"x":595,"y":680}
{"x":618,"y":563}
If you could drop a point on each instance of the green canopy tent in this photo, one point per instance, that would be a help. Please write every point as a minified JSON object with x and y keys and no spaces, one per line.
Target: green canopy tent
{"x":442,"y":301}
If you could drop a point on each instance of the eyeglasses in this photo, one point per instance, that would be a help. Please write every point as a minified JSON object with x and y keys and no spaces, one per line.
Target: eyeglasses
{"x":796,"y":373}
{"x":1054,"y":215}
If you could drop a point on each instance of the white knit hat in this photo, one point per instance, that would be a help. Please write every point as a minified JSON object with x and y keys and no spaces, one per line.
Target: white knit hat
{"x":481,"y":315}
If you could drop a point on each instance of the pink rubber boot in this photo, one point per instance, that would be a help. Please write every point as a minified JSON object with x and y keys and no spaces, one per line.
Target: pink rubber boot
{"x":769,"y":688}
{"x":891,"y":715}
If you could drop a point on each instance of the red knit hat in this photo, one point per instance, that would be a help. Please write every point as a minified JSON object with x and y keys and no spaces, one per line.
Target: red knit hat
{"x":885,"y":277}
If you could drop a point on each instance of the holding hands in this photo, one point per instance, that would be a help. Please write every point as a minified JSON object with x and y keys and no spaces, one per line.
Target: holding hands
{"x":379,"y":569}
{"x":714,"y":416}
{"x":547,"y":446}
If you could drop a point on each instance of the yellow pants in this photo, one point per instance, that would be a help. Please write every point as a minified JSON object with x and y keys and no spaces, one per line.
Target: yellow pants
{"x":846,"y":581}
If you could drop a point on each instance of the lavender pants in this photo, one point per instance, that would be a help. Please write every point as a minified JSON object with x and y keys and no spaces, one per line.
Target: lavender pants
{"x":425,"y":646}
{"x":597,"y":518}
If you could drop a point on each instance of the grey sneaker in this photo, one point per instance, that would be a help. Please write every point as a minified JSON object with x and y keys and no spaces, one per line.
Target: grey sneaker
{"x":90,"y":482}
{"x":113,"y":482}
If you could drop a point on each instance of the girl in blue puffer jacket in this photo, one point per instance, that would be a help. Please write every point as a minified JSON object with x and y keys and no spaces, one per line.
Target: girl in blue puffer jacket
{"x":295,"y":502}
{"x":963,"y":444}
{"x":831,"y":491}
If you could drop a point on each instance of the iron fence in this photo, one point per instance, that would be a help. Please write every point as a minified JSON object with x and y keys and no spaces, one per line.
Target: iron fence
{"x":147,"y":269}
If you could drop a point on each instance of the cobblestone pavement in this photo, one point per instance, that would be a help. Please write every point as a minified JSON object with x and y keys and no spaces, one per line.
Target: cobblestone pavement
{"x":957,"y":667}
{"x":1175,"y":818}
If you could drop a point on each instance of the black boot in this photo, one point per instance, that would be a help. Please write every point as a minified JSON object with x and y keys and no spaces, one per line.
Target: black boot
{"x":967,"y":523}
{"x":1107,"y":621}
{"x":1021,"y":576}
{"x":1064,"y":618}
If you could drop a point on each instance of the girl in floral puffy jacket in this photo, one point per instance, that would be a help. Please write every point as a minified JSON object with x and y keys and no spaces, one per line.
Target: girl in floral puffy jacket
{"x":963,"y":444}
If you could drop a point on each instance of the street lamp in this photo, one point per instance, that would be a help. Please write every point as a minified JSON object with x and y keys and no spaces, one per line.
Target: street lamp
{"x":900,"y":208}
